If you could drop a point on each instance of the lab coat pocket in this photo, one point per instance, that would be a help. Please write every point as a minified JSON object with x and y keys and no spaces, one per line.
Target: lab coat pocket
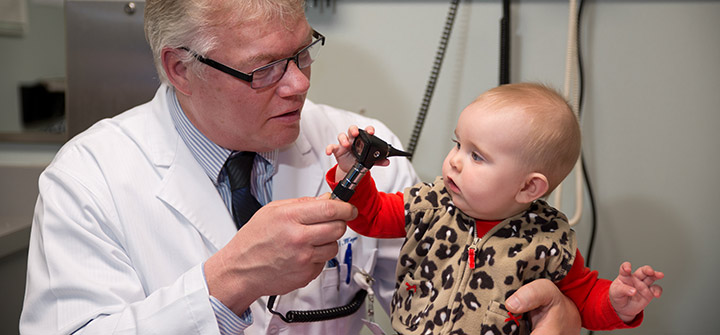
{"x":331,"y":278}
{"x":498,"y":320}
{"x":335,"y":293}
{"x":334,"y":290}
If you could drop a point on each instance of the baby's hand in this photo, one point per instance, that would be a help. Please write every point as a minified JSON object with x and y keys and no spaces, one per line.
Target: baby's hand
{"x":343,"y":155}
{"x":631,"y":292}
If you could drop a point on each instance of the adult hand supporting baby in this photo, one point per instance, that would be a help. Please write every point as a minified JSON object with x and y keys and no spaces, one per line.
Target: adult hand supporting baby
{"x":551,"y":312}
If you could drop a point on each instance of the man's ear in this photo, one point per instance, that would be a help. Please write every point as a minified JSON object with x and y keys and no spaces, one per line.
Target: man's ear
{"x":176,"y":70}
{"x":535,"y":186}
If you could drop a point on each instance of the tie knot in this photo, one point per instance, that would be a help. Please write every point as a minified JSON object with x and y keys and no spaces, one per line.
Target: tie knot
{"x":239,"y":168}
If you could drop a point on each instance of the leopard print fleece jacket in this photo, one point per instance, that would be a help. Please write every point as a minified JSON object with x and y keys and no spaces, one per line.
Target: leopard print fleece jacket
{"x":439,"y":292}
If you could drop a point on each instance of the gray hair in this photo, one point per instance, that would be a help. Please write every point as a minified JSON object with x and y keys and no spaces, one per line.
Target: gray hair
{"x":190,"y":23}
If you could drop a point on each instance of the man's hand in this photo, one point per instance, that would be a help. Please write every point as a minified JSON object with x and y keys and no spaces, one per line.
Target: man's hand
{"x":551,"y":312}
{"x":283,"y":247}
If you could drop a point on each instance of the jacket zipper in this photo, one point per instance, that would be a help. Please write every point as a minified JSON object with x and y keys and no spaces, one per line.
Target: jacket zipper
{"x":472,"y":250}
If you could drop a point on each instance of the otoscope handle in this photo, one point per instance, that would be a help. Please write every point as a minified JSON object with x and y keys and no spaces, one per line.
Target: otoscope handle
{"x":345,"y":189}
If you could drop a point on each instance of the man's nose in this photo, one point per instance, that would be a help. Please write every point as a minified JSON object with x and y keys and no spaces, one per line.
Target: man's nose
{"x":296,"y":79}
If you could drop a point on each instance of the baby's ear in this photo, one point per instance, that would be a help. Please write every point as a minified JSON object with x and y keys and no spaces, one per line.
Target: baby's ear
{"x":535,"y":186}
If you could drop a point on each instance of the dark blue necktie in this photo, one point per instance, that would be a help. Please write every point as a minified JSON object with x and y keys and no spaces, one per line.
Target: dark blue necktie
{"x":239,"y":168}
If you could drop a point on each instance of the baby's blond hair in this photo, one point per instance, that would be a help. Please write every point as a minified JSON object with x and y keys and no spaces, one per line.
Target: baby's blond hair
{"x":553,"y":140}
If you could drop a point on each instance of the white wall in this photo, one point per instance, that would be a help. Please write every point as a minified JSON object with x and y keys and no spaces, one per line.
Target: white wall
{"x":650,"y":119}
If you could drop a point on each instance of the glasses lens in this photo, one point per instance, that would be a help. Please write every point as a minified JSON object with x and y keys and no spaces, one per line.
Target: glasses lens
{"x":269,"y":74}
{"x":308,"y":56}
{"x":272,"y":73}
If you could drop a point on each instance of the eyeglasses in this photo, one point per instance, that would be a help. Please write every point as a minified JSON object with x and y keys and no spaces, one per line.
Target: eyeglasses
{"x":271,"y":73}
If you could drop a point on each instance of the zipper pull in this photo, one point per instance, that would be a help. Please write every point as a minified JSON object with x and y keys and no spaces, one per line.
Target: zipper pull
{"x":471,"y":257}
{"x":471,"y":251}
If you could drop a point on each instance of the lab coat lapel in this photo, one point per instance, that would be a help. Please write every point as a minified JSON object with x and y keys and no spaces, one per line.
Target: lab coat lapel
{"x":188,"y":190}
{"x":185,"y":186}
{"x":299,"y":172}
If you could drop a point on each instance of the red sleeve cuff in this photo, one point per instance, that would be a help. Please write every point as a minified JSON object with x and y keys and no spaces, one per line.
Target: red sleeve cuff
{"x":591,"y":295}
{"x":379,"y":214}
{"x":330,"y":177}
{"x":609,"y":316}
{"x":605,"y":317}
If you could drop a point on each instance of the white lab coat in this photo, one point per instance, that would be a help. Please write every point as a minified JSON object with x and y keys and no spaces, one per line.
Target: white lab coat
{"x":126,"y":217}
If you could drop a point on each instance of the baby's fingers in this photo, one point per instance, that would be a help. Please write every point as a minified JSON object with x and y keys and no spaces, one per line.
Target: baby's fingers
{"x":648,"y":275}
{"x":644,"y":272}
{"x":344,"y":140}
{"x":384,"y":162}
{"x":331,"y":148}
{"x":622,"y":290}
{"x":625,"y":274}
{"x":625,"y":269}
{"x":656,"y":290}
{"x":353,"y":131}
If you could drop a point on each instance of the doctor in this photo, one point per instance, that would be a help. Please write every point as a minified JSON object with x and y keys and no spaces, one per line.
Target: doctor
{"x":133,"y":230}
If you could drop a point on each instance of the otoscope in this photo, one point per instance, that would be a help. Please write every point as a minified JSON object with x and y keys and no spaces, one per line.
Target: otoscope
{"x":367,"y":149}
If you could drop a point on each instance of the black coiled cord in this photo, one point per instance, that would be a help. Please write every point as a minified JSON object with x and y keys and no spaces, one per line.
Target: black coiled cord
{"x":320,"y":314}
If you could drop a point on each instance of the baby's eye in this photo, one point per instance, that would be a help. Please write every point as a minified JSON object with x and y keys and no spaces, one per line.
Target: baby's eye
{"x":477,"y":157}
{"x":457,"y":143}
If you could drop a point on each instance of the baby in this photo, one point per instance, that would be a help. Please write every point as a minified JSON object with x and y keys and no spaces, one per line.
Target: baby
{"x":481,"y":231}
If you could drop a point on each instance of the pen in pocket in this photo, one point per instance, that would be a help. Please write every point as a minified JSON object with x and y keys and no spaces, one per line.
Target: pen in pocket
{"x":333,"y":263}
